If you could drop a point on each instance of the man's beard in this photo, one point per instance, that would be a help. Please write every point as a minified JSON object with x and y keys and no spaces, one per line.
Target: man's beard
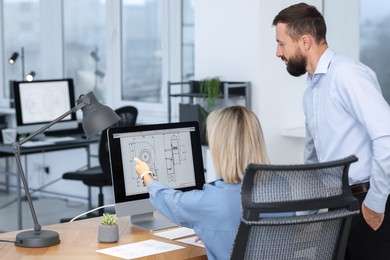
{"x":296,"y":65}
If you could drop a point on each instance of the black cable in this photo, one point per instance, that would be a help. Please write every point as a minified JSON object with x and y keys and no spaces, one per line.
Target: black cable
{"x":7,"y":241}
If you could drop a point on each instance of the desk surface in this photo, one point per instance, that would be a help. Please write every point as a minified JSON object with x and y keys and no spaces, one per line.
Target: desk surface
{"x":78,"y":142}
{"x":79,"y":241}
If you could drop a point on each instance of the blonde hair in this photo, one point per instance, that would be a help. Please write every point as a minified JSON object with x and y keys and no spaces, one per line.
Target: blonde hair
{"x":235,"y":139}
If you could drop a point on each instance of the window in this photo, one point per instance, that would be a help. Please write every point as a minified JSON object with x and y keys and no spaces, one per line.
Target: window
{"x":124,"y":51}
{"x":188,"y":40}
{"x":142,"y":52}
{"x":84,"y":45}
{"x":374,"y":36}
{"x":21,"y":31}
{"x":157,"y":46}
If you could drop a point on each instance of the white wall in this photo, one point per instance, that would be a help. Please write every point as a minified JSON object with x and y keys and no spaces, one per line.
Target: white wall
{"x":236,"y":41}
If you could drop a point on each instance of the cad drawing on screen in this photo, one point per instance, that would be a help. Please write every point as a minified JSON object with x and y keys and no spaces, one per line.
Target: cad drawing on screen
{"x":172,"y":151}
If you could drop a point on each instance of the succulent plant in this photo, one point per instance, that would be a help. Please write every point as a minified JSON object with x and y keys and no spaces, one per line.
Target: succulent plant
{"x":108,"y":219}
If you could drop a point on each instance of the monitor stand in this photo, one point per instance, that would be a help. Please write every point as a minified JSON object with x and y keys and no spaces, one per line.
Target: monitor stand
{"x":149,"y":222}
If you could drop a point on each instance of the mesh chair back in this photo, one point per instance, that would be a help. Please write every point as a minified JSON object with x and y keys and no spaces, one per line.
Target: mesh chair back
{"x":312,"y":205}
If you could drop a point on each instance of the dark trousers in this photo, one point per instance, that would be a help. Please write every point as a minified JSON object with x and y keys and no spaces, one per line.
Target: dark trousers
{"x":364,"y":243}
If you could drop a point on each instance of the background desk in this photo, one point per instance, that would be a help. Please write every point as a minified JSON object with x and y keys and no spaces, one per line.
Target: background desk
{"x":7,"y":151}
{"x":79,"y":241}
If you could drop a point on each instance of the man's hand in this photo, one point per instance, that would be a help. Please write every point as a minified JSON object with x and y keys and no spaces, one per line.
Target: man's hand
{"x":373,"y":219}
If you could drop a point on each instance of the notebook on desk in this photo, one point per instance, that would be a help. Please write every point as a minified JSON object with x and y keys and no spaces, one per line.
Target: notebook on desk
{"x":175,"y":233}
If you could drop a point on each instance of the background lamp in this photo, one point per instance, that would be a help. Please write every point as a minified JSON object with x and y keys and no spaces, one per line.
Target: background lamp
{"x":94,"y":55}
{"x":30,"y":76}
{"x":13,"y":58}
{"x":99,"y":73}
{"x":96,"y":118}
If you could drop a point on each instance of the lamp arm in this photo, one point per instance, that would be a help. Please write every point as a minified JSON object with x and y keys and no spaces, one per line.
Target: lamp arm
{"x":37,"y":227}
{"x":16,"y":149}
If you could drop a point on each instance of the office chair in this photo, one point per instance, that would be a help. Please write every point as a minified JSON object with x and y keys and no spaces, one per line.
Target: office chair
{"x":300,"y":190}
{"x":100,"y":176}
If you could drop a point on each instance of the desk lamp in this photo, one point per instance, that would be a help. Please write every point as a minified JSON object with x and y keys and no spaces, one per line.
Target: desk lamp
{"x":96,"y":118}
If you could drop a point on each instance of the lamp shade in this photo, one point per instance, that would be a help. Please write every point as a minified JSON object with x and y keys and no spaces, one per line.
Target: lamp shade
{"x":96,"y":116}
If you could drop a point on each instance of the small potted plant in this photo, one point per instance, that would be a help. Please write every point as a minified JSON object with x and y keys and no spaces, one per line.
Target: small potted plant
{"x":108,"y":229}
{"x":210,"y":88}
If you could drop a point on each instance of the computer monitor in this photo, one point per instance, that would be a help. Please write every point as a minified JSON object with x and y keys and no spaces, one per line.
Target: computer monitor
{"x":40,"y":102}
{"x":173,"y":152}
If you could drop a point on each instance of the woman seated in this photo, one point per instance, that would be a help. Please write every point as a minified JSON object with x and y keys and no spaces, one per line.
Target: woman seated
{"x":235,"y":139}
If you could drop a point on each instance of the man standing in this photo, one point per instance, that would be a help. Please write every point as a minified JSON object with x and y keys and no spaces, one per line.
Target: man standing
{"x":345,"y":114}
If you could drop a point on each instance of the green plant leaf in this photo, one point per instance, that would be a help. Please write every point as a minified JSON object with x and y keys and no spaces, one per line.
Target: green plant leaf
{"x":108,"y":219}
{"x":210,"y":90}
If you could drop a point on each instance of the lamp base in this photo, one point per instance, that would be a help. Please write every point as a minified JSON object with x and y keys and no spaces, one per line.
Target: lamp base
{"x":32,"y":238}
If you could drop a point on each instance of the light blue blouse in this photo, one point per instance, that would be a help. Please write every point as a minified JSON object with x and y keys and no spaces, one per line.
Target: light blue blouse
{"x":214,"y":212}
{"x":347,"y":114}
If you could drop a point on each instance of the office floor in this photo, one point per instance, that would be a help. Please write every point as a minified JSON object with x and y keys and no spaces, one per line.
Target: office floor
{"x":49,"y":210}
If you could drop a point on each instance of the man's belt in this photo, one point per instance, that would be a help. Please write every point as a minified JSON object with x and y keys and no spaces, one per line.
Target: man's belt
{"x":360,"y":188}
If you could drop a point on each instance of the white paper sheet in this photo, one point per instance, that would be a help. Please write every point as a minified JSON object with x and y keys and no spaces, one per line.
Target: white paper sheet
{"x":139,"y":249}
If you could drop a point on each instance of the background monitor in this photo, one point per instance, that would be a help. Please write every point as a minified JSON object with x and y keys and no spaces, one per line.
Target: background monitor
{"x":173,"y":152}
{"x":40,"y":102}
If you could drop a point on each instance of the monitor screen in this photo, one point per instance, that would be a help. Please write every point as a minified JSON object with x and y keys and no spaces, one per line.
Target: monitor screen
{"x":173,"y":152}
{"x":40,"y":102}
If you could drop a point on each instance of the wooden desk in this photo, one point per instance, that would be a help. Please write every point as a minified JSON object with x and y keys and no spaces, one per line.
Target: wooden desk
{"x":79,"y":241}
